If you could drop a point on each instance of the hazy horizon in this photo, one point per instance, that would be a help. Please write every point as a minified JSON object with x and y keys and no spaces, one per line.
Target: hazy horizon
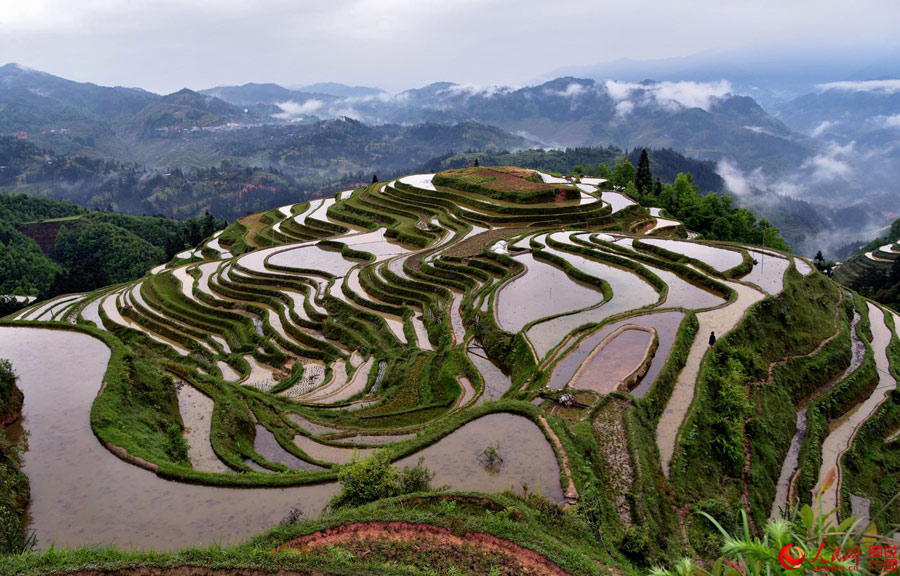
{"x":401,"y":44}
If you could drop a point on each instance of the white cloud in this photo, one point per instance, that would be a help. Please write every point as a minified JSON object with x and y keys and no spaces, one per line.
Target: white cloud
{"x":827,"y":167}
{"x":692,"y":94}
{"x":134,"y":42}
{"x":293,"y":109}
{"x":624,"y":108}
{"x":620,"y":90}
{"x":832,"y":163}
{"x":734,"y":178}
{"x":755,"y":187}
{"x":760,"y":130}
{"x":346,"y":112}
{"x":474,"y":90}
{"x":671,"y":95}
{"x":886,"y":86}
{"x":821,"y":128}
{"x":892,"y":121}
{"x":572,"y":90}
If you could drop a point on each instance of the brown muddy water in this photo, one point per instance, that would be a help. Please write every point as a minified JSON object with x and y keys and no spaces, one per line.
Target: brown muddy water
{"x":768,"y":272}
{"x":356,"y":385}
{"x":616,"y":201}
{"x":196,"y":412}
{"x":91,"y":312}
{"x":265,"y":444}
{"x":496,"y":383}
{"x":803,"y":266}
{"x":719,"y":258}
{"x":46,"y":311}
{"x":789,"y":466}
{"x":629,"y":290}
{"x":394,"y":322}
{"x":844,"y":429}
{"x":310,"y":258}
{"x":229,"y":374}
{"x":467,"y":391}
{"x":543,"y":290}
{"x":608,"y":366}
{"x":374,"y":243}
{"x":456,"y":321}
{"x":374,"y":440}
{"x":680,"y":293}
{"x":527,"y":457}
{"x":421,"y":331}
{"x":664,"y":323}
{"x":683,"y":294}
{"x":83,"y":495}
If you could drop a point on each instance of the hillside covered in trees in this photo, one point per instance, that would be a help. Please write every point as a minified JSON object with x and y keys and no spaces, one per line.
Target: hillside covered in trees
{"x":53,"y":247}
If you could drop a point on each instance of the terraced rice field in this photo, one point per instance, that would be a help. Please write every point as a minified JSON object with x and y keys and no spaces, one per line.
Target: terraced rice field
{"x":842,"y":431}
{"x":438,"y":320}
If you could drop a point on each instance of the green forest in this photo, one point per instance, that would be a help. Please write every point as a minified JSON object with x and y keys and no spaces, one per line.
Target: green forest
{"x":50,"y":247}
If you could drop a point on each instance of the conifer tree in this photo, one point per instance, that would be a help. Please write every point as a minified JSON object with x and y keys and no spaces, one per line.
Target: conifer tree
{"x":643,"y":179}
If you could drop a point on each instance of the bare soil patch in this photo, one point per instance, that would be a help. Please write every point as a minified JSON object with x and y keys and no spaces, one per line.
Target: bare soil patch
{"x":405,"y":543}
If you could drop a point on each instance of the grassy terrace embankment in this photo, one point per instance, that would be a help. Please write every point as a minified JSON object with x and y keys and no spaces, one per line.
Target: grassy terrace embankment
{"x":373,"y":319}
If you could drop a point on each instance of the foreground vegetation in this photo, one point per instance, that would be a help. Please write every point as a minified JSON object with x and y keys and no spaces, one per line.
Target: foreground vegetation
{"x":14,"y":492}
{"x":512,"y":520}
{"x":373,"y":322}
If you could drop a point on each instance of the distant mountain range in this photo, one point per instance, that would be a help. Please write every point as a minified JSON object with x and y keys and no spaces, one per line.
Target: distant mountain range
{"x":824,"y":160}
{"x":772,"y":76}
{"x":703,"y":121}
{"x":706,"y":122}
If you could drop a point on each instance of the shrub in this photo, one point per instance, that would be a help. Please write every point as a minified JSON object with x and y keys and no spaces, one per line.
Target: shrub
{"x":178,"y":446}
{"x":636,"y":542}
{"x":373,"y":478}
{"x":416,"y":478}
{"x":810,"y":529}
{"x":14,"y":538}
{"x":10,"y":395}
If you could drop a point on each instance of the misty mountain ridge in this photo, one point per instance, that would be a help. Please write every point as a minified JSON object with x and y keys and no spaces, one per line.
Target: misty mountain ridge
{"x":707,"y":121}
{"x":823,"y":148}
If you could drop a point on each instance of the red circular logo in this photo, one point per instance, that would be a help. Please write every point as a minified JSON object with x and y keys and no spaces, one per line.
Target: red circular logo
{"x":791,"y":557}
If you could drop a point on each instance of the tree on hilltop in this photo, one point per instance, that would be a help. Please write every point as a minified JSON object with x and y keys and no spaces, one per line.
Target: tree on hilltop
{"x":643,"y":178}
{"x":623,"y":174}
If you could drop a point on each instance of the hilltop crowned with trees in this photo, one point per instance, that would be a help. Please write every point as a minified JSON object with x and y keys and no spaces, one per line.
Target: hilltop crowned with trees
{"x":712,"y":215}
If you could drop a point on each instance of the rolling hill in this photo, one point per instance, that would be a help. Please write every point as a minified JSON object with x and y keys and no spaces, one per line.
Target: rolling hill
{"x":408,"y":349}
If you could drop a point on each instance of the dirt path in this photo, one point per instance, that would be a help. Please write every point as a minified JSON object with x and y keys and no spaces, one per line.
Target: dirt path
{"x":721,"y":321}
{"x":844,"y":430}
{"x":571,"y":493}
{"x":429,"y":539}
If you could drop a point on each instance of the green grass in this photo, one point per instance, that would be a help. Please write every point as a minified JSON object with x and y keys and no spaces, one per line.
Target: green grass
{"x":871,"y":467}
{"x":710,"y":454}
{"x":419,"y":391}
{"x":526,"y":521}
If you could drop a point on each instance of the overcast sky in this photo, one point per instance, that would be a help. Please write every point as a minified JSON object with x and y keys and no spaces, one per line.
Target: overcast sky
{"x":165,"y":45}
